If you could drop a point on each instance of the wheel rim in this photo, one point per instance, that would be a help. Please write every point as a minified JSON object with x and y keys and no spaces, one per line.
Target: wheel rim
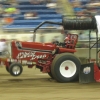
{"x":67,"y":68}
{"x":16,"y":70}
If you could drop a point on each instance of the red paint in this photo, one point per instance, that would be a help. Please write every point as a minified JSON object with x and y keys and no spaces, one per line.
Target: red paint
{"x":66,"y":68}
{"x":64,"y":50}
{"x":25,"y":51}
{"x":96,"y":73}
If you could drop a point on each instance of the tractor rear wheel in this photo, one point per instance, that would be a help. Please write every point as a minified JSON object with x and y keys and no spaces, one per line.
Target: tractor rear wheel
{"x":65,"y":67}
{"x":50,"y":74}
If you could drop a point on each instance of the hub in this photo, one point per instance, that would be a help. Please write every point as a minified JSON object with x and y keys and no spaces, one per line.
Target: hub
{"x":66,"y":68}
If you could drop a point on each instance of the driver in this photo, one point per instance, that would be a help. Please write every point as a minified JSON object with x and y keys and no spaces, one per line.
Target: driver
{"x":67,"y":40}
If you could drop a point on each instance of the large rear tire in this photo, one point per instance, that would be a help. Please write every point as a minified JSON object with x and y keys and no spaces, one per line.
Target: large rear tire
{"x":50,"y":74}
{"x":65,"y":67}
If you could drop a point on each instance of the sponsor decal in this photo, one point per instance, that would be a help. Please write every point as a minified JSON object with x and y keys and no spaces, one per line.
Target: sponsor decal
{"x":87,"y":70}
{"x":33,"y":55}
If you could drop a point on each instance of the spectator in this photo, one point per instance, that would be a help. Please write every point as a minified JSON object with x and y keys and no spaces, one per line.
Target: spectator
{"x":77,"y":7}
{"x":13,"y":2}
{"x":7,"y":20}
{"x":42,"y":1}
{"x":52,"y":5}
{"x":9,"y":15}
{"x":35,"y":2}
{"x":30,"y":15}
{"x":3,"y":1}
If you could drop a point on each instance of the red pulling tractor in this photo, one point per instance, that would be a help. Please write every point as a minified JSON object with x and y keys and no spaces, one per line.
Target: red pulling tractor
{"x":57,"y":59}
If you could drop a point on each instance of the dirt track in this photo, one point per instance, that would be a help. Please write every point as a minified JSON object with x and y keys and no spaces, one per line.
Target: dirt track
{"x":33,"y":85}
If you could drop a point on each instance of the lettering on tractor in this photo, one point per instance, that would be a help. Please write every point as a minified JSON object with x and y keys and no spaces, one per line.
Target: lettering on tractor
{"x":33,"y":55}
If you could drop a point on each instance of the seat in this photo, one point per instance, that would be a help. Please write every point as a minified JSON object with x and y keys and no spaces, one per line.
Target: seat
{"x":71,"y":40}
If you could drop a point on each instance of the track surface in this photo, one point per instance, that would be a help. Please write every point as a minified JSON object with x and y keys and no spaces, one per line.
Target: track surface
{"x":33,"y":85}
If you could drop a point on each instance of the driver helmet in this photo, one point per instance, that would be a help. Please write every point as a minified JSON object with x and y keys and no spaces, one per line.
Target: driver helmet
{"x":66,"y":40}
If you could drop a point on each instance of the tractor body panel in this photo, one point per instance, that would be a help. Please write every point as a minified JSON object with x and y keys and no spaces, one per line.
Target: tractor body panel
{"x":31,"y":51}
{"x":40,"y":55}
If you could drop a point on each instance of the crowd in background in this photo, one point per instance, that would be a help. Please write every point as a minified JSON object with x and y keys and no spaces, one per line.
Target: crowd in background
{"x":87,"y":7}
{"x":8,"y":14}
{"x":65,"y":7}
{"x":80,"y":6}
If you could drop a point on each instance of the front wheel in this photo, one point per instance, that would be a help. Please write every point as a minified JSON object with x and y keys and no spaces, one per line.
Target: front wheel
{"x":65,"y":67}
{"x":15,"y":69}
